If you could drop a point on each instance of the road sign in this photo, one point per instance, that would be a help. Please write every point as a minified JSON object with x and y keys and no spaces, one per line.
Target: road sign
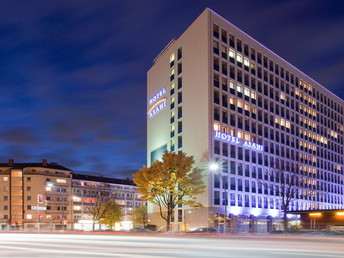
{"x":38,"y":208}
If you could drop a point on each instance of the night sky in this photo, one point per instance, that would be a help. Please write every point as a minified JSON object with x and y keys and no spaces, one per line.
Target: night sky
{"x":73,"y":73}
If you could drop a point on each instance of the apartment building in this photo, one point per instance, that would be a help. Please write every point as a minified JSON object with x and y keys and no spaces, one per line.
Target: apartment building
{"x":86,"y":190}
{"x":35,"y":195}
{"x":48,"y":196}
{"x":219,"y":95}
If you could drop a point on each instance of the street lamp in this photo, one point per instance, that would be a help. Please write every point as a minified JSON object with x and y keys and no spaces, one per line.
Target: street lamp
{"x":216,"y":168}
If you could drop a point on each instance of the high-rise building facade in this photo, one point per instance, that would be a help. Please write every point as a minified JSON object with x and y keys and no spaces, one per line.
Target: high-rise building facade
{"x":220,"y":96}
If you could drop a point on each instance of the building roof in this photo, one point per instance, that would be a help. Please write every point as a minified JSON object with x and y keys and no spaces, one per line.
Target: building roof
{"x":102,"y":179}
{"x":51,"y":165}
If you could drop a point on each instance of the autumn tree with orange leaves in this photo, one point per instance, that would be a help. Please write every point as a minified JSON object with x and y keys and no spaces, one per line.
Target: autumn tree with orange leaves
{"x":170,"y":182}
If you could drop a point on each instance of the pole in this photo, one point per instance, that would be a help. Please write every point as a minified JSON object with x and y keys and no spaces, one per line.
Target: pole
{"x":226,"y":198}
{"x":38,"y":228}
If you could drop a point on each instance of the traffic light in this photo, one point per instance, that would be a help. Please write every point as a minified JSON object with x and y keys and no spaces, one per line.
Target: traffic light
{"x":64,"y":221}
{"x":45,"y":202}
{"x":39,"y":198}
{"x":40,"y":218}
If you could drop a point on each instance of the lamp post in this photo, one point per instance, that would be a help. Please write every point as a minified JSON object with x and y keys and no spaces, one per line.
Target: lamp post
{"x":216,"y":168}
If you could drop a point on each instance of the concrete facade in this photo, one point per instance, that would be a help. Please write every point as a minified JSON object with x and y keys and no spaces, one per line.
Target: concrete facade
{"x":219,"y":95}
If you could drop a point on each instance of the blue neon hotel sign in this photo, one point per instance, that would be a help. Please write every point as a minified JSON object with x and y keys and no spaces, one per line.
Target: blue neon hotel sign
{"x":235,"y":140}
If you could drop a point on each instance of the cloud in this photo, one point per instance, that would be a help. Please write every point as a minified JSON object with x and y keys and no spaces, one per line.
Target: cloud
{"x":73,"y":75}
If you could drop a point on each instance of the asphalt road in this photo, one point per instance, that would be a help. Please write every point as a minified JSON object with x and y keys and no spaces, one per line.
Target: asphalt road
{"x":167,"y":245}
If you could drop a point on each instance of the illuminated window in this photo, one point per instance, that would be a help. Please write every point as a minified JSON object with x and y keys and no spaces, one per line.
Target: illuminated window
{"x":247,"y":92}
{"x":172,"y":114}
{"x":48,"y":188}
{"x":240,"y":134}
{"x":239,"y":58}
{"x":172,"y":72}
{"x":240,"y":104}
{"x":63,"y":181}
{"x":246,"y":62}
{"x":247,"y":137}
{"x":239,"y":88}
{"x":16,"y":173}
{"x":172,"y":99}
{"x":253,"y":95}
{"x":172,"y":58}
{"x":231,"y":101}
{"x":231,"y":53}
{"x":77,"y":208}
{"x":231,"y":85}
{"x":282,"y":96}
{"x":76,"y":199}
{"x":247,"y":107}
{"x":5,"y":178}
{"x":28,"y":216}
{"x":216,"y":126}
{"x":225,"y":129}
{"x":172,"y":86}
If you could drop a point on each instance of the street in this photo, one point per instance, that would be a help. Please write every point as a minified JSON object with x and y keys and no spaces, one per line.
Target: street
{"x":167,"y":245}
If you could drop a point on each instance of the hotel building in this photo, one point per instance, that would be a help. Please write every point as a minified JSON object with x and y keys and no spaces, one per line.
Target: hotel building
{"x":48,"y":196}
{"x":217,"y":94}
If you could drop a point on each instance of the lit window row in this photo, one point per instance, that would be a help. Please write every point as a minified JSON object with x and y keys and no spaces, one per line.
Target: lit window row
{"x":282,"y":122}
{"x":240,"y":134}
{"x":307,"y":157}
{"x":239,"y":58}
{"x":307,"y":180}
{"x":305,"y":85}
{"x":239,"y":88}
{"x":308,"y":110}
{"x":241,"y":104}
{"x":308,"y":169}
{"x":305,"y":97}
{"x":245,"y":136}
{"x":307,"y":192}
{"x":308,"y":145}
{"x":308,"y":121}
{"x":314,"y":136}
{"x":332,"y":133}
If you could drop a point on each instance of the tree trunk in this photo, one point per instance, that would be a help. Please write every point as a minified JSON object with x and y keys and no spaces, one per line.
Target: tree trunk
{"x":168,"y":221}
{"x":285,"y":221}
{"x":93,"y":225}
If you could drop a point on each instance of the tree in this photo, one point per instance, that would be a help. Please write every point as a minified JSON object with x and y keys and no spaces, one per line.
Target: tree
{"x":288,"y":188}
{"x":140,"y":215}
{"x":170,"y":182}
{"x":99,"y":205}
{"x":113,"y":213}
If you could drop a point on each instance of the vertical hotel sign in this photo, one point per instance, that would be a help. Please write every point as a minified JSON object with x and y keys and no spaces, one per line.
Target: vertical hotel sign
{"x":157,"y":103}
